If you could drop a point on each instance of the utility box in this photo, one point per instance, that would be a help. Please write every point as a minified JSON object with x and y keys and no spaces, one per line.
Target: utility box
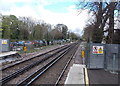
{"x":95,"y":59}
{"x":4,"y":45}
{"x":105,"y":56}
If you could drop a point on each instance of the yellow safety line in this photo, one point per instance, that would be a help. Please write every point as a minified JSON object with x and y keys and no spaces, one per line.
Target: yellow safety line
{"x":86,"y":78}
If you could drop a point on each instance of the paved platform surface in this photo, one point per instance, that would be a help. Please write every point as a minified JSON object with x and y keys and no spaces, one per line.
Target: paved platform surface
{"x":9,"y":57}
{"x":76,"y":75}
{"x":102,"y":77}
{"x":95,"y":77}
{"x":7,"y":53}
{"x":76,"y":72}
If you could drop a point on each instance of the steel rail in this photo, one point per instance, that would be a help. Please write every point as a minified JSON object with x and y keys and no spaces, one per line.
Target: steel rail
{"x":2,"y":69}
{"x":26,"y":68}
{"x":31,"y":78}
{"x":60,"y":76}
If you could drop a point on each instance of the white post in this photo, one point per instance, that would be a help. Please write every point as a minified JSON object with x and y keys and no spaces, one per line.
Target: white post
{"x":113,"y":69}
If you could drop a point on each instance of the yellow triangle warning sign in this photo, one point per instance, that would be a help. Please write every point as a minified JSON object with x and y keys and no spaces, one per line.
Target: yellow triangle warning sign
{"x":100,"y":50}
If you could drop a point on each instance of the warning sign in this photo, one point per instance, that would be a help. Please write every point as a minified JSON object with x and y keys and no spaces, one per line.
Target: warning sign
{"x":4,"y":41}
{"x":97,"y":50}
{"x":83,"y":54}
{"x":24,"y":48}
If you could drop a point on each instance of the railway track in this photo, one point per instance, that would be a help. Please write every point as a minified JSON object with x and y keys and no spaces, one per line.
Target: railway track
{"x":22,"y":64}
{"x":30,"y":59}
{"x":54,"y":73}
{"x":34,"y":64}
{"x":65,"y":67}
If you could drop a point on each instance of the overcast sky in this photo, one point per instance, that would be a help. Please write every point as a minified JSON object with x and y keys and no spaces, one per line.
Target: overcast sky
{"x":51,"y":11}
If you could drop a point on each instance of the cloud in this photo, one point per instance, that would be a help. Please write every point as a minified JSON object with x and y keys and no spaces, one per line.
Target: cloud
{"x":36,"y":9}
{"x":74,"y":21}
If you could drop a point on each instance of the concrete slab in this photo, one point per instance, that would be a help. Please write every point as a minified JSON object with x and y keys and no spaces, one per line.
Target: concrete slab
{"x":7,"y":53}
{"x":76,"y":75}
{"x":103,"y":77}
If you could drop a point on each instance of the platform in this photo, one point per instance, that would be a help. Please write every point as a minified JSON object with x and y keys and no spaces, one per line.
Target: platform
{"x":102,"y":77}
{"x":79,"y":74}
{"x":8,"y":57}
{"x":7,"y":53}
{"x":76,"y":75}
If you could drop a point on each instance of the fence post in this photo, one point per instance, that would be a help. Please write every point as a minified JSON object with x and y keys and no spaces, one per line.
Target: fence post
{"x":113,"y":65}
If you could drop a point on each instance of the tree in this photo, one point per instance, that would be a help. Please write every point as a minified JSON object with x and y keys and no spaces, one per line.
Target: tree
{"x":111,"y":22}
{"x":73,"y":36}
{"x":10,"y":25}
{"x":5,"y":27}
{"x":102,"y":12}
{"x":63,"y":29}
{"x":116,"y":39}
{"x":38,"y":32}
{"x":56,"y":34}
{"x":88,"y":31}
{"x":25,"y":28}
{"x":14,"y":27}
{"x":23,"y":34}
{"x":64,"y":32}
